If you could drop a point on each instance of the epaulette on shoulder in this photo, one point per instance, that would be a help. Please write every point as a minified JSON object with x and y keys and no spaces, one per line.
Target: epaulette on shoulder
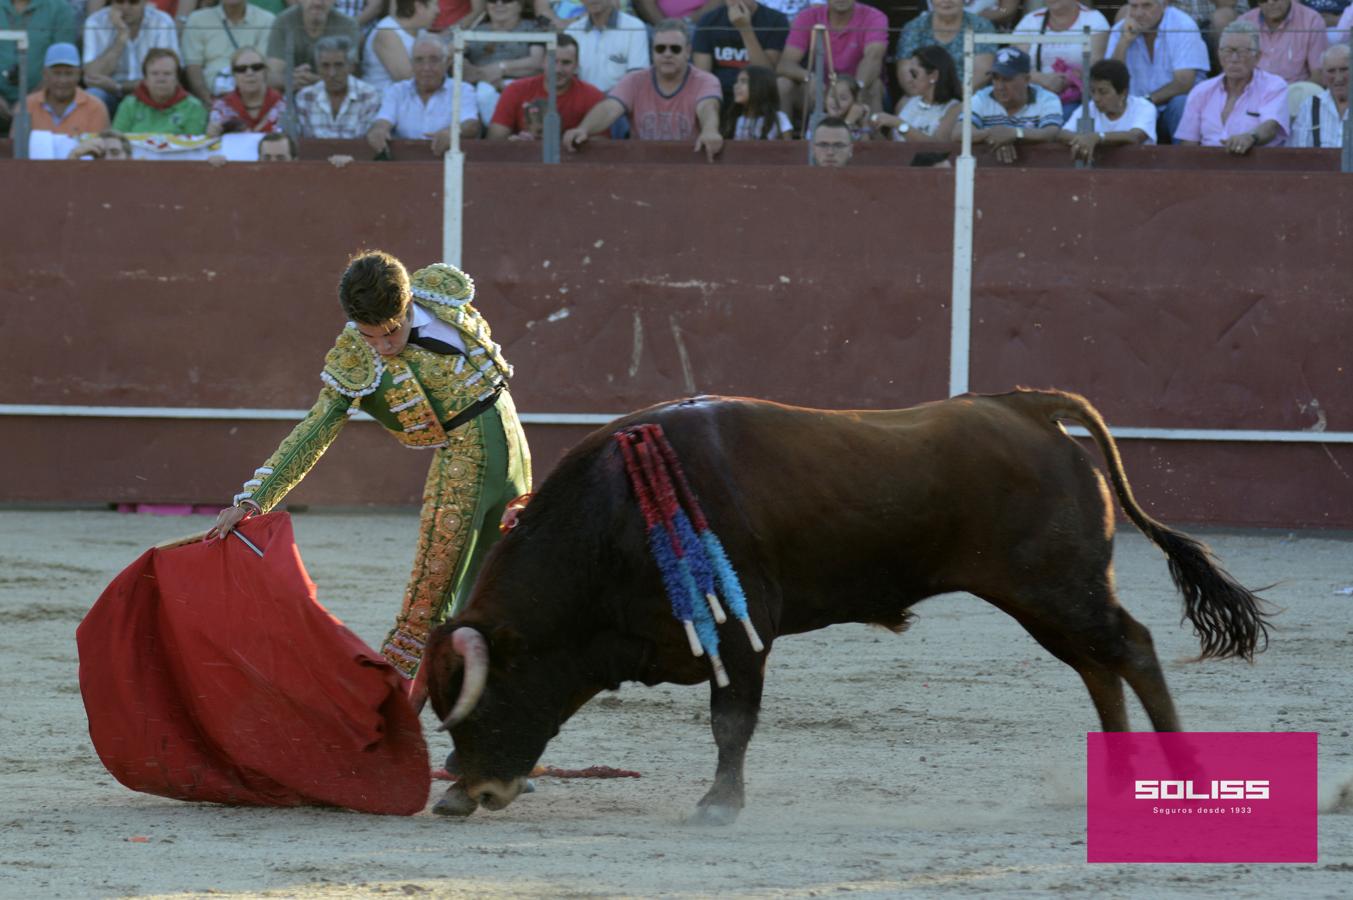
{"x":352,"y":368}
{"x":442,"y":284}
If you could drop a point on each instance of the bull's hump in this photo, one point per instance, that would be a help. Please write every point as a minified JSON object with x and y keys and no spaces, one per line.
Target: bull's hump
{"x":699,"y":400}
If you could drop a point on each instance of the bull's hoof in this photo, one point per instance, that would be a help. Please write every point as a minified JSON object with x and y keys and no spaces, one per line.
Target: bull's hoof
{"x":715,"y":814}
{"x":455,"y":802}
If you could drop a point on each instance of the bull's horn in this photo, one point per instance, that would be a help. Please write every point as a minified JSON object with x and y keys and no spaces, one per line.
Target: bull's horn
{"x":471,"y":647}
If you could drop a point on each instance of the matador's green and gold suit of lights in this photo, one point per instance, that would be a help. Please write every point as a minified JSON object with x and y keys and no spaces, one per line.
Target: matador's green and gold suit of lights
{"x":476,"y":469}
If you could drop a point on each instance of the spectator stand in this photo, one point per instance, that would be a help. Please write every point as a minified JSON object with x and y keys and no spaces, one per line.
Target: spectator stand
{"x":453,"y":190}
{"x":965,"y":171}
{"x":20,"y":129}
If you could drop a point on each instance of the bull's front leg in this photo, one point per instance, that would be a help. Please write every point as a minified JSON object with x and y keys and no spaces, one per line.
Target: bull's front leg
{"x":733,"y":711}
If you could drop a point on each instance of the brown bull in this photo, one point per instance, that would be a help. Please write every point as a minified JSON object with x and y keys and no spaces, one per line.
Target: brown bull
{"x":828,"y":517}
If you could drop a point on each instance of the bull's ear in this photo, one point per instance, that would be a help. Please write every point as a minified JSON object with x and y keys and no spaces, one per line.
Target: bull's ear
{"x":505,"y":645}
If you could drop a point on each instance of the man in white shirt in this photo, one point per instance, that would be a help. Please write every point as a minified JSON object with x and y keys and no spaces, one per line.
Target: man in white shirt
{"x":421,"y":108}
{"x":611,"y":44}
{"x":1320,"y":121}
{"x":117,"y":39}
{"x":1165,"y":55}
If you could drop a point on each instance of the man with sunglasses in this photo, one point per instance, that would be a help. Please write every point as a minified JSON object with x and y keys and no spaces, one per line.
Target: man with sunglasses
{"x":212,"y":35}
{"x":117,"y":39}
{"x":672,"y":101}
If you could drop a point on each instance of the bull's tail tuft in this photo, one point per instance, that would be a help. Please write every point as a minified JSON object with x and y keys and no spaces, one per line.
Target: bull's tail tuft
{"x":1230,"y":620}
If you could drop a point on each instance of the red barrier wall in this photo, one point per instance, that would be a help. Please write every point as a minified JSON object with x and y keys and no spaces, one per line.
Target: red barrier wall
{"x":1210,"y":299}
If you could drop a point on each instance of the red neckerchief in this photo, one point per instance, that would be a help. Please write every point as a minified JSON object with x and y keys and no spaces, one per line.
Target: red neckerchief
{"x":144,"y":96}
{"x":236,"y":102}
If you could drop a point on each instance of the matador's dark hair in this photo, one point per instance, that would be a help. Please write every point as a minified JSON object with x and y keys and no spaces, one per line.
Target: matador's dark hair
{"x":374,"y":288}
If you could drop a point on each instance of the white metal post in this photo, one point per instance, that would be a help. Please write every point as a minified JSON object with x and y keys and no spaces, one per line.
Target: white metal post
{"x":960,"y":305}
{"x":965,"y":173}
{"x":453,"y":163}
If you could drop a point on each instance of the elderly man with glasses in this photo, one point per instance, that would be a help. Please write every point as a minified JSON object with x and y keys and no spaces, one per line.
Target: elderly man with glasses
{"x":672,"y":101}
{"x":117,"y":39}
{"x":1242,"y":108}
{"x":1291,"y":39}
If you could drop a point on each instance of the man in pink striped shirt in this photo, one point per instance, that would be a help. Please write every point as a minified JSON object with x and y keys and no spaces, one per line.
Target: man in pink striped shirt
{"x":1291,"y":39}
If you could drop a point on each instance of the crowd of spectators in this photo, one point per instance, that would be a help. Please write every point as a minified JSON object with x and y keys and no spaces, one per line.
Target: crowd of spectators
{"x":1231,"y":74}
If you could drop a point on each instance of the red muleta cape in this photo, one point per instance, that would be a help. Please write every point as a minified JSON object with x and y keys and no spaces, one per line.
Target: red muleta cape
{"x":211,"y":674}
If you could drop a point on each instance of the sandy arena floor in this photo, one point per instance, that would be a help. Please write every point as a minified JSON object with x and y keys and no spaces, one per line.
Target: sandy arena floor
{"x":945,"y":762}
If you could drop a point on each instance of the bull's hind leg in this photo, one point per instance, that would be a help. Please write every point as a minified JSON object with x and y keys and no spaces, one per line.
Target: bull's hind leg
{"x":1103,"y":683}
{"x":1105,"y":646}
{"x":733,"y":713}
{"x":1144,"y":674}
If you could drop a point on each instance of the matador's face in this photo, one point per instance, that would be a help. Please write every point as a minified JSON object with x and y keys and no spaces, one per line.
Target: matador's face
{"x":388,"y":338}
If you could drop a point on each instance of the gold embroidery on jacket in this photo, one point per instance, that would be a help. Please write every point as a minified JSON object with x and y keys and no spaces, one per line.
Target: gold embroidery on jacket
{"x":450,"y":496}
{"x":301,"y":449}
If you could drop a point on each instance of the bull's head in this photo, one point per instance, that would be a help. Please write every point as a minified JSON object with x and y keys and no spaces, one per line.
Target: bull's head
{"x":502,"y":704}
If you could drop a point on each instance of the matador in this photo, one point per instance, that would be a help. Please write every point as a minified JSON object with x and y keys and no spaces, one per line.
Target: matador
{"x":419,"y":359}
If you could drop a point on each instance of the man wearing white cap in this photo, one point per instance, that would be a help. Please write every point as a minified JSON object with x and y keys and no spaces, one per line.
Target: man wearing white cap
{"x":60,"y":105}
{"x":1011,"y":111}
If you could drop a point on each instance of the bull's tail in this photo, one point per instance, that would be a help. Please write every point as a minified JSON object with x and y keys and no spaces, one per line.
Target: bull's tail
{"x":1230,"y":620}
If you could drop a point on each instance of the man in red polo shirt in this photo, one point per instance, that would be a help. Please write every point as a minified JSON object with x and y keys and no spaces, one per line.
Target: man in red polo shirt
{"x":574,"y":97}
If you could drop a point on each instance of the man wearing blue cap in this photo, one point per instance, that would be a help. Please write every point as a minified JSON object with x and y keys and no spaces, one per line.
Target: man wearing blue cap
{"x":61,"y":105}
{"x":1011,"y":111}
{"x":46,"y":22}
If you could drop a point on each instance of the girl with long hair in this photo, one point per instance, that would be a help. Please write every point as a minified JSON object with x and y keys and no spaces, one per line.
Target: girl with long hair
{"x":754,"y":114}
